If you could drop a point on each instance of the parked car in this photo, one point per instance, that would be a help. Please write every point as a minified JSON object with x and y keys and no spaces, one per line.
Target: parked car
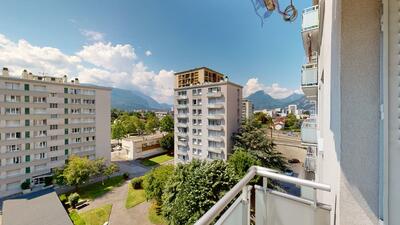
{"x":293,"y":161}
{"x":289,"y":172}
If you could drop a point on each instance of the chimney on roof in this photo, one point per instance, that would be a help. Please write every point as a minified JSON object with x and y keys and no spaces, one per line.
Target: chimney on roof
{"x":65,"y":79}
{"x":5,"y":72}
{"x":25,"y":74}
{"x":76,"y":80}
{"x":72,"y":81}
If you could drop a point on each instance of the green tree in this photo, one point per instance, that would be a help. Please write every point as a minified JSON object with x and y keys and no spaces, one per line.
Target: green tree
{"x":154,"y":182}
{"x":167,"y":142}
{"x":140,"y":126}
{"x":130,"y":123}
{"x":240,"y":162}
{"x":167,"y":124}
{"x":253,"y":139}
{"x":291,"y":122}
{"x":118,"y":130}
{"x":110,"y":170}
{"x":77,"y":171}
{"x":261,"y":117}
{"x":151,"y":124}
{"x":194,"y":188}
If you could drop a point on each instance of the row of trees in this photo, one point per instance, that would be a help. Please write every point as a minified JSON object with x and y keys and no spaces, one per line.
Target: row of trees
{"x":78,"y":170}
{"x":131,"y":124}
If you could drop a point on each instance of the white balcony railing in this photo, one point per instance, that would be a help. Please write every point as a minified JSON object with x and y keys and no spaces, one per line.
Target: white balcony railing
{"x":309,"y":74}
{"x":310,"y":19}
{"x":309,"y":132}
{"x":271,"y":207}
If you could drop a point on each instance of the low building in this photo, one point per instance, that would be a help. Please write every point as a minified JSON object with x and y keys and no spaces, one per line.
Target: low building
{"x":136,"y":147}
{"x":35,"y":209}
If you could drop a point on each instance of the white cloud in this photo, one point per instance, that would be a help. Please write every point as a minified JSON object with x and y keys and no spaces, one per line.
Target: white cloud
{"x":148,"y":53}
{"x":108,"y":56}
{"x":92,"y":35}
{"x":275,"y":90}
{"x":98,"y":63}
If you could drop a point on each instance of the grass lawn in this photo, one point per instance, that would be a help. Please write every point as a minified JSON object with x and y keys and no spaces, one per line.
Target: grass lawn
{"x":97,"y":216}
{"x":156,"y":160}
{"x":96,"y":190}
{"x":135,"y":197}
{"x":154,"y":216}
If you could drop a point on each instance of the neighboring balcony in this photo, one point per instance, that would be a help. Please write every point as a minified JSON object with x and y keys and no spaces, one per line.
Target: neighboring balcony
{"x":215,"y":116}
{"x":215,"y":127}
{"x":182,"y":134}
{"x":309,"y":81}
{"x":215,"y":106}
{"x":269,"y":206}
{"x":182,"y":116}
{"x":184,"y":125}
{"x":182,"y":106}
{"x":181,"y":97}
{"x":310,"y":29}
{"x":309,"y":132}
{"x":216,"y":138}
{"x":214,"y":94}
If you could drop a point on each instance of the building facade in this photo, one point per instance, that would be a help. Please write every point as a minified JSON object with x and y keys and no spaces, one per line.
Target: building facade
{"x":136,"y":147}
{"x":206,"y":113}
{"x":247,"y":109}
{"x":352,"y":74}
{"x":43,"y":120}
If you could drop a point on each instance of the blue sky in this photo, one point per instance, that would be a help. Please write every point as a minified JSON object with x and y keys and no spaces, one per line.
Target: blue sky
{"x":223,"y":35}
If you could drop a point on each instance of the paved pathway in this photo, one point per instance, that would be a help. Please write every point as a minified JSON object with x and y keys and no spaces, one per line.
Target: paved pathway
{"x":119,"y":214}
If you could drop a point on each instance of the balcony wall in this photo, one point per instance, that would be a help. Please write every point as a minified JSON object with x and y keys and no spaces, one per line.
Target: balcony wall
{"x":309,"y":132}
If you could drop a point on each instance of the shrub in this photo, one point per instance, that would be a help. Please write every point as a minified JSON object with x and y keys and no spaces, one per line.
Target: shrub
{"x":63,"y":198}
{"x":48,"y":181}
{"x":154,"y":182}
{"x":125,"y":176}
{"x":73,"y":199}
{"x":137,"y":182}
{"x":194,"y":188}
{"x":26,"y":185}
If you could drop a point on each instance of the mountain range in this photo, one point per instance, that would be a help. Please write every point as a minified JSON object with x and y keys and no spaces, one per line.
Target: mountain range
{"x":262,"y":100}
{"x":132,"y":99}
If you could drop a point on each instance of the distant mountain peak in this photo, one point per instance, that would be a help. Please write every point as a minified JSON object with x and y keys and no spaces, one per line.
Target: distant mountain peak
{"x":262,"y":100}
{"x":133,"y":100}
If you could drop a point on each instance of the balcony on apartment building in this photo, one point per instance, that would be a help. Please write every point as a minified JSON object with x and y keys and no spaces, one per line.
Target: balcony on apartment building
{"x":309,"y":132}
{"x":270,"y":206}
{"x":309,"y":81}
{"x":214,"y":94}
{"x":215,"y":105}
{"x":310,"y":29}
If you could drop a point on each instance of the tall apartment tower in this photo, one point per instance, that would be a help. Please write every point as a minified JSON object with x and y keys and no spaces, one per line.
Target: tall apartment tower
{"x":247,"y":109}
{"x":44,"y":120}
{"x":207,"y":111}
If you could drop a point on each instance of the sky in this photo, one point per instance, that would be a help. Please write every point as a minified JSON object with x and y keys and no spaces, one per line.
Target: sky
{"x":139,"y":45}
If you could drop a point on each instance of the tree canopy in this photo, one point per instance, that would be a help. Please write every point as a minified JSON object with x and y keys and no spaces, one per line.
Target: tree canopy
{"x":253,"y":139}
{"x":194,"y":188}
{"x":167,"y":124}
{"x":154,"y":182}
{"x":167,"y":142}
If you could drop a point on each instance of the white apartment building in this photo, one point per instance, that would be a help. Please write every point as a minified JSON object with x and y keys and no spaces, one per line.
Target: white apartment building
{"x":292,"y":109}
{"x":352,"y":73}
{"x":207,"y":111}
{"x":45,"y":119}
{"x":247,"y":109}
{"x":135,"y":147}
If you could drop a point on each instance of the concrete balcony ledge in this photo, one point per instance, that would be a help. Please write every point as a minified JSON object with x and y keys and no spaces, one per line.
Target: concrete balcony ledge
{"x":184,"y":106}
{"x":214,"y":94}
{"x":215,"y":116}
{"x":181,"y":97}
{"x":309,"y":132}
{"x":182,"y":125}
{"x":215,"y":127}
{"x":215,"y":106}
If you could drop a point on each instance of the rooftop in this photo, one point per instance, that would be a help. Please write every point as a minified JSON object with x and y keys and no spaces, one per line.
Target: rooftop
{"x":45,"y":209}
{"x":144,"y":137}
{"x":195,"y":69}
